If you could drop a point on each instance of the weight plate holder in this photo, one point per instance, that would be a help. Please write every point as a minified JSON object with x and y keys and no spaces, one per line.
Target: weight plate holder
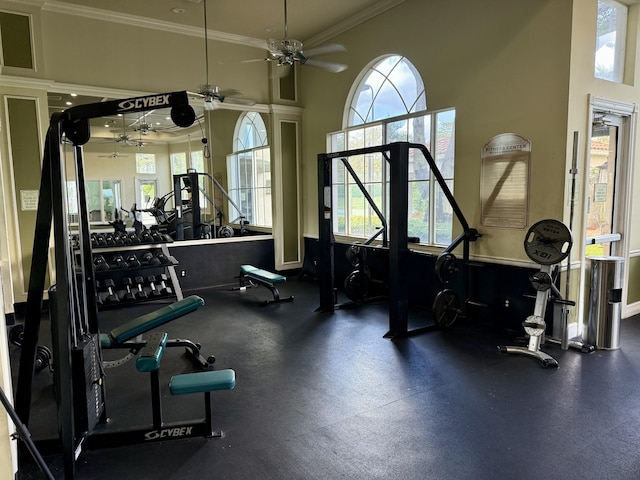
{"x":548,"y":242}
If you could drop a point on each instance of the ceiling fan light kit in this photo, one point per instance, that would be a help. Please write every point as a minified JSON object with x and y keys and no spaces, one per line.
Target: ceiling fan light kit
{"x":287,"y":51}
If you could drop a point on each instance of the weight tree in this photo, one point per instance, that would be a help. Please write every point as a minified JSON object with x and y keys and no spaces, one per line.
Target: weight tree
{"x":80,"y":393}
{"x":397,"y":156}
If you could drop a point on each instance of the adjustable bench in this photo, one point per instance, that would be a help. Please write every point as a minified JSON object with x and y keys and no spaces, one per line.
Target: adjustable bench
{"x":197,"y":382}
{"x":250,"y":274}
{"x":125,"y":335}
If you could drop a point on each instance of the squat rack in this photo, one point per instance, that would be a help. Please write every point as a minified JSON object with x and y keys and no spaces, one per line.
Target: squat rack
{"x":397,"y":156}
{"x":74,"y":313}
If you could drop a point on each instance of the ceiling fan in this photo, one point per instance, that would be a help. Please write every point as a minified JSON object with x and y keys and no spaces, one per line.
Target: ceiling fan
{"x":115,"y":153}
{"x":143,"y":127}
{"x":287,"y":51}
{"x":212,"y":93}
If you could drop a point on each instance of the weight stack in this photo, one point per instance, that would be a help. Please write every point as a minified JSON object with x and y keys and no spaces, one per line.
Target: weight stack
{"x":88,"y":398}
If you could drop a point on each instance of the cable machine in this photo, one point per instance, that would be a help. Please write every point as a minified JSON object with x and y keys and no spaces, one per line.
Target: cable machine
{"x":80,"y":392}
{"x":397,"y":156}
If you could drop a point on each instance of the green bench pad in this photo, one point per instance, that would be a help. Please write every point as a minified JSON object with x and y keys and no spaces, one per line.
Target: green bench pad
{"x":202,"y":381}
{"x":151,"y":320}
{"x":151,"y":354}
{"x":261,"y":275}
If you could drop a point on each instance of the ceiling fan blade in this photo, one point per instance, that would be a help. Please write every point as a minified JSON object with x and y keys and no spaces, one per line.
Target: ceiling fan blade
{"x":238,"y":101}
{"x":254,"y":60}
{"x":329,"y":66}
{"x":324,"y":50}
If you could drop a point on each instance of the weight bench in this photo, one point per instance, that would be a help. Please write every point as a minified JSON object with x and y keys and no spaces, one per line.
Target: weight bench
{"x":125,"y":335}
{"x":197,"y":382}
{"x":251,"y":276}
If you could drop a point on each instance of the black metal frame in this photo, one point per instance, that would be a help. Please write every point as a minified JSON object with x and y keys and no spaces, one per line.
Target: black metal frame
{"x":73,"y":308}
{"x":397,"y":156}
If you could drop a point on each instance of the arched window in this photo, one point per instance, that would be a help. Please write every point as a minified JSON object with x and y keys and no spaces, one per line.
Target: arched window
{"x":388,"y":104}
{"x":249,"y":171}
{"x":391,"y":88}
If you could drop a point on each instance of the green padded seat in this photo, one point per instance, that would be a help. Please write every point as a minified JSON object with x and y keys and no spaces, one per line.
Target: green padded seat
{"x":151,"y":320}
{"x":262,"y":275}
{"x":202,"y":381}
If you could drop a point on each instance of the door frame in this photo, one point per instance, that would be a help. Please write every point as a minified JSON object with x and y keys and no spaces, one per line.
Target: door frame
{"x":623,"y":195}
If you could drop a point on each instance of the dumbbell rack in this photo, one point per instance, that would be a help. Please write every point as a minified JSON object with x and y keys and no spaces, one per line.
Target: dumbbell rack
{"x":113,"y":265}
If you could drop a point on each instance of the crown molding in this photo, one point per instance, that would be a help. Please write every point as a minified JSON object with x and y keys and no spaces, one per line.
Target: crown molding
{"x":137,"y":21}
{"x":353,"y":21}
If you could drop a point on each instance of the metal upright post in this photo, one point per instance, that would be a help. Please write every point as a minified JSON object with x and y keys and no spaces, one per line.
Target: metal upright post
{"x":196,"y":220}
{"x":177,"y":199}
{"x":398,"y":243}
{"x":325,"y":267}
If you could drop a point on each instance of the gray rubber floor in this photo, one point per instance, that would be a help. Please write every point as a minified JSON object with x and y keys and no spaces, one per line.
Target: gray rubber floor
{"x":325,"y":396}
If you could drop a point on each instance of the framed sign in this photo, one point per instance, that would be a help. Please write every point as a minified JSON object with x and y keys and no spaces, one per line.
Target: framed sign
{"x":504,"y":181}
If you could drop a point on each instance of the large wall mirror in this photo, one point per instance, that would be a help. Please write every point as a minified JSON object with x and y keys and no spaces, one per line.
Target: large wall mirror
{"x":144,"y":172}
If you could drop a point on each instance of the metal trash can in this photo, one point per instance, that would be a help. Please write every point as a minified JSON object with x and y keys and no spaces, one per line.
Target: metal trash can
{"x":605,"y":309}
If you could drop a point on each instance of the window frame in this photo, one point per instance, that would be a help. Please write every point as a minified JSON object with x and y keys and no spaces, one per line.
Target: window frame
{"x":72,"y":200}
{"x":617,"y":72}
{"x":339,"y":141}
{"x":252,"y":196}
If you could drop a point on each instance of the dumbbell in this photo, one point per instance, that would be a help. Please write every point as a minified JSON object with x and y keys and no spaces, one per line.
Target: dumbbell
{"x":146,"y":237}
{"x":164,"y":288}
{"x":133,"y":261}
{"x":118,"y":240}
{"x":43,"y":358}
{"x":108,"y":238}
{"x":100,"y":263}
{"x":140,"y":293}
{"x":127,"y":282}
{"x":98,"y":297}
{"x":118,"y":262}
{"x":149,"y":259}
{"x":94,"y":240}
{"x":157,"y":237}
{"x":134,"y":238}
{"x":102,"y":242}
{"x":162,"y":258}
{"x":111,"y":297}
{"x":152,"y":285}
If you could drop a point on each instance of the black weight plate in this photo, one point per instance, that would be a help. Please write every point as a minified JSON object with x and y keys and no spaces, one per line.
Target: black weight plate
{"x":548,"y":242}
{"x":446,"y":308}
{"x":446,"y":267}
{"x":356,"y":285}
{"x":16,"y":334}
{"x":541,"y":281}
{"x":355,"y":254}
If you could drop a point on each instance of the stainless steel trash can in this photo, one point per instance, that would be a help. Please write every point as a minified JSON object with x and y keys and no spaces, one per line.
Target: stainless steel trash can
{"x":605,"y":309}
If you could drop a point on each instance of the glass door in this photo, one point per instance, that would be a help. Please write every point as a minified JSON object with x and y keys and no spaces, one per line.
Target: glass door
{"x":602,"y":231}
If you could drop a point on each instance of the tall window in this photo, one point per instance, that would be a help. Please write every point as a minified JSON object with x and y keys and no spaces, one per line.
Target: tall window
{"x":145,"y":163}
{"x":104,"y":198}
{"x":611,"y":38}
{"x":389,"y":105}
{"x":179,"y":165}
{"x":249,"y":170}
